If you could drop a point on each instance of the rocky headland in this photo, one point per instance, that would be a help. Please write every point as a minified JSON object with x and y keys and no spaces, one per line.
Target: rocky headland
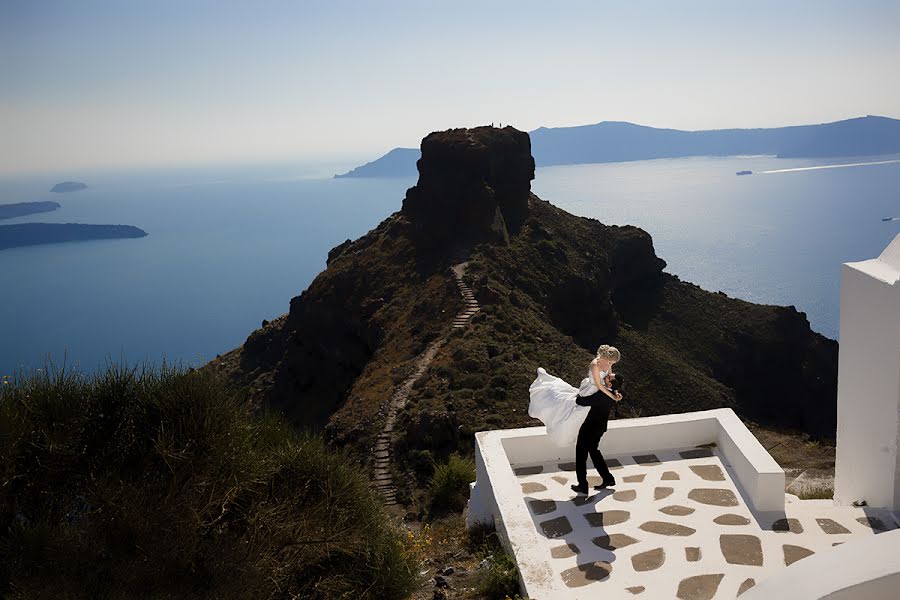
{"x":551,"y":287}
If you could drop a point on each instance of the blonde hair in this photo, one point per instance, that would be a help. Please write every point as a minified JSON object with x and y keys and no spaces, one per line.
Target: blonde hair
{"x":610,"y":353}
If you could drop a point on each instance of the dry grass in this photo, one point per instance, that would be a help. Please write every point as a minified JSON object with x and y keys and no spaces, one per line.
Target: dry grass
{"x":819,"y":491}
{"x":148,"y":484}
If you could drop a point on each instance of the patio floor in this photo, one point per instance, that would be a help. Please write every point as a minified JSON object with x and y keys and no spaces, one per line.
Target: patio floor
{"x":675,"y":526}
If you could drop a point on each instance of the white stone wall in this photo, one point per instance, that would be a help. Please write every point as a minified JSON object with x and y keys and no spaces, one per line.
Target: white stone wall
{"x":866,"y":465}
{"x":863,"y":569}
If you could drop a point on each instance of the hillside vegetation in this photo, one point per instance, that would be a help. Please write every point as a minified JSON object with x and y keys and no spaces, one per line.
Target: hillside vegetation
{"x":161,"y":485}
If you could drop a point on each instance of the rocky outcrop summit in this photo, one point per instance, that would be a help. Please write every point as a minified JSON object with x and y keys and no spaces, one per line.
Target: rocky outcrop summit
{"x":473,"y":186}
{"x":550,"y":286}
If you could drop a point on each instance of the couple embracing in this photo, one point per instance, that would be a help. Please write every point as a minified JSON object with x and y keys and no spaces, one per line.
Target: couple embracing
{"x":579,"y":415}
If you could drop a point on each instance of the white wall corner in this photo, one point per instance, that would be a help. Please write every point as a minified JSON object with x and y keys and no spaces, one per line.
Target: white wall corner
{"x":867,"y":465}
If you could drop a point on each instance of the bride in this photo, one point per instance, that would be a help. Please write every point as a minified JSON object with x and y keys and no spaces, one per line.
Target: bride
{"x":553,"y":401}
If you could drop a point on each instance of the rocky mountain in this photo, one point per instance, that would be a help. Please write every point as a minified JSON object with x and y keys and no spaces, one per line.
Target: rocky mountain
{"x":612,"y":141}
{"x":551,"y":287}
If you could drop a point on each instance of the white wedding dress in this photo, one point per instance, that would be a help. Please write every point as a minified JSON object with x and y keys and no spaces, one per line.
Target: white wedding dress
{"x":553,"y":402}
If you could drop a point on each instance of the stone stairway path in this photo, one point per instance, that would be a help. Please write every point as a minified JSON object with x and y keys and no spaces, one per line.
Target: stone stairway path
{"x":384,"y":481}
{"x":471,"y":304}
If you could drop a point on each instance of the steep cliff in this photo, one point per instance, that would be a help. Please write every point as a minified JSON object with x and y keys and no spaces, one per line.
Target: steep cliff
{"x":552,"y":286}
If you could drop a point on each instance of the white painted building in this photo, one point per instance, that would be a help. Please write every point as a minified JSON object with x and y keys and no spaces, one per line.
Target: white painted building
{"x":699,"y":511}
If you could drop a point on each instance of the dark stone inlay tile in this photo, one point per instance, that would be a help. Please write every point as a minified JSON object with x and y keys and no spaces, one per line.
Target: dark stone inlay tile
{"x":542,"y":507}
{"x":533,"y":488}
{"x":649,"y":560}
{"x":646,"y":459}
{"x":831,"y":526}
{"x":794,"y":553}
{"x":613,"y":541}
{"x":663,"y":528}
{"x":708,"y":472}
{"x":560,"y":480}
{"x":746,"y":585}
{"x":613,"y":464}
{"x":625,"y":495}
{"x":697,"y":453}
{"x":558,"y":527}
{"x":586,"y":573}
{"x":731,"y":519}
{"x":670,"y":476}
{"x":634,"y":478}
{"x":567,"y":466}
{"x":713,"y":496}
{"x":662,"y":492}
{"x":607,"y":517}
{"x":523,"y":471}
{"x":692,"y":554}
{"x":638,"y":589}
{"x":676,"y":510}
{"x":873,"y":523}
{"x":699,"y":587}
{"x":785,"y":525}
{"x":741,"y":549}
{"x":564,"y":551}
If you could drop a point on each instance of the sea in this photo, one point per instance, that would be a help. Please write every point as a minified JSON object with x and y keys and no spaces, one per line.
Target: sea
{"x":230,"y":246}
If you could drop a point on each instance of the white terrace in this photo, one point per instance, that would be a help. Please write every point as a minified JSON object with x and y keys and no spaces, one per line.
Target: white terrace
{"x":700,"y":511}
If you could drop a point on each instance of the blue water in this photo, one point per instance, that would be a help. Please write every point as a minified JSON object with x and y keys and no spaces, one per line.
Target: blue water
{"x":230,"y":247}
{"x":773,"y":238}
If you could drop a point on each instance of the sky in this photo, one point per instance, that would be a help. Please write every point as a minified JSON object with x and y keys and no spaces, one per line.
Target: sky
{"x":124,"y":83}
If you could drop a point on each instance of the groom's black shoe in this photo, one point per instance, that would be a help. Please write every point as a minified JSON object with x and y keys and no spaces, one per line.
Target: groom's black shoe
{"x":581,"y":489}
{"x":607,"y":483}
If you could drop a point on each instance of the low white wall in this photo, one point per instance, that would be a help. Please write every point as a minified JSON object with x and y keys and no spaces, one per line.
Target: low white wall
{"x":496,"y":496}
{"x":497,"y":500}
{"x":757,"y":472}
{"x":864,"y":568}
{"x":867,"y":465}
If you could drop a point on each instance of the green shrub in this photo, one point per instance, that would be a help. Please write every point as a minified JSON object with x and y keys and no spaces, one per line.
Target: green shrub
{"x":421,"y":462}
{"x":449,"y":487}
{"x":161,"y":484}
{"x":474,"y":381}
{"x":499,"y":579}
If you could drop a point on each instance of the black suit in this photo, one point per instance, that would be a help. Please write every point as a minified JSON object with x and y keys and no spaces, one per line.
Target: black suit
{"x":589,"y":435}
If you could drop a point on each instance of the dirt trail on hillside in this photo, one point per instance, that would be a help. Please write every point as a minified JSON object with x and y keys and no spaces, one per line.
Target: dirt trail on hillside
{"x":384,"y":481}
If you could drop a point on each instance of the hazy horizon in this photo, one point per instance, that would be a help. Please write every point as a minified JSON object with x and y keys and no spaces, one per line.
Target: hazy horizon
{"x":101,"y":84}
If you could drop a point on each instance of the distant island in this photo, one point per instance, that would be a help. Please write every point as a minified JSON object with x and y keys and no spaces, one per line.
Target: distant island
{"x":399,"y":162}
{"x":20,"y":209}
{"x":68,"y":186}
{"x":613,"y":141}
{"x":32,"y":234}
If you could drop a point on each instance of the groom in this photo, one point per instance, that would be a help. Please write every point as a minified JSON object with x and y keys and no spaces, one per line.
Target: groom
{"x":589,"y":438}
